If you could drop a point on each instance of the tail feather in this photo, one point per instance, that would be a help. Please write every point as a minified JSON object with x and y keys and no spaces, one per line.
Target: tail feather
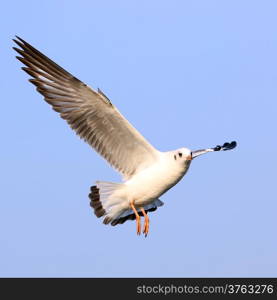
{"x":95,"y":202}
{"x":105,"y":201}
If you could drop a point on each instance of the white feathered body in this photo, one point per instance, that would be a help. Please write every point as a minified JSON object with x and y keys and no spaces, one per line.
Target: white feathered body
{"x":144,"y":187}
{"x":155,"y":180}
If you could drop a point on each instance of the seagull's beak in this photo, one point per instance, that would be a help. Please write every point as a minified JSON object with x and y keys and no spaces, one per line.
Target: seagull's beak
{"x":224,"y":147}
{"x":200,"y":152}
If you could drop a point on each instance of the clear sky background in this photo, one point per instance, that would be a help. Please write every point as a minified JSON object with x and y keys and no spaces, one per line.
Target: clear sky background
{"x":184,"y":73}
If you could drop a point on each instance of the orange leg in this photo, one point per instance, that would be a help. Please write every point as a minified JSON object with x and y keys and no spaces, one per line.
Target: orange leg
{"x":137,"y":217}
{"x":146,"y":222}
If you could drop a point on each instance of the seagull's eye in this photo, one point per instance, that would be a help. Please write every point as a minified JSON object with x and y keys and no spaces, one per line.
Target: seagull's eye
{"x":180,"y":154}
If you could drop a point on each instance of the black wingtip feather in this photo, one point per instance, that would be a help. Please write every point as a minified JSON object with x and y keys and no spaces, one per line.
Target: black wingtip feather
{"x":21,"y":41}
{"x":18,"y":43}
{"x":29,"y":72}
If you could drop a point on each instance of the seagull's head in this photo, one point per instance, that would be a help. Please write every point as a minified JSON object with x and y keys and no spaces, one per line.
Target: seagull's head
{"x":183,"y":155}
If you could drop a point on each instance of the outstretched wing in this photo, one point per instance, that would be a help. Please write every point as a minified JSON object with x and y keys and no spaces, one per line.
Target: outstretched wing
{"x":90,"y":113}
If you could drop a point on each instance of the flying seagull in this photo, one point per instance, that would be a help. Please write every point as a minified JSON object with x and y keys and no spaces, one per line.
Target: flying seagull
{"x":147,"y":173}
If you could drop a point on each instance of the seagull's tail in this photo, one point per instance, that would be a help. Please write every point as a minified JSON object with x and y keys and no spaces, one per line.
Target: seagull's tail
{"x":106,"y":201}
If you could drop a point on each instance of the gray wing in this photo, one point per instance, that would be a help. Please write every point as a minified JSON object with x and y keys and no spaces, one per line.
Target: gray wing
{"x":91,"y":114}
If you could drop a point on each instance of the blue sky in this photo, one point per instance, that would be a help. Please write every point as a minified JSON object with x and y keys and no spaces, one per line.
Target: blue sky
{"x":184,"y":73}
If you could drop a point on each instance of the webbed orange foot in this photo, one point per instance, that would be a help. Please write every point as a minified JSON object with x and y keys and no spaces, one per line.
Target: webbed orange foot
{"x":137,"y":218}
{"x":146,"y":222}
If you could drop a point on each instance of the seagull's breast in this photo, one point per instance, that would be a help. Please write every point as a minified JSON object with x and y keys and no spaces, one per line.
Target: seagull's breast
{"x":152,"y":182}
